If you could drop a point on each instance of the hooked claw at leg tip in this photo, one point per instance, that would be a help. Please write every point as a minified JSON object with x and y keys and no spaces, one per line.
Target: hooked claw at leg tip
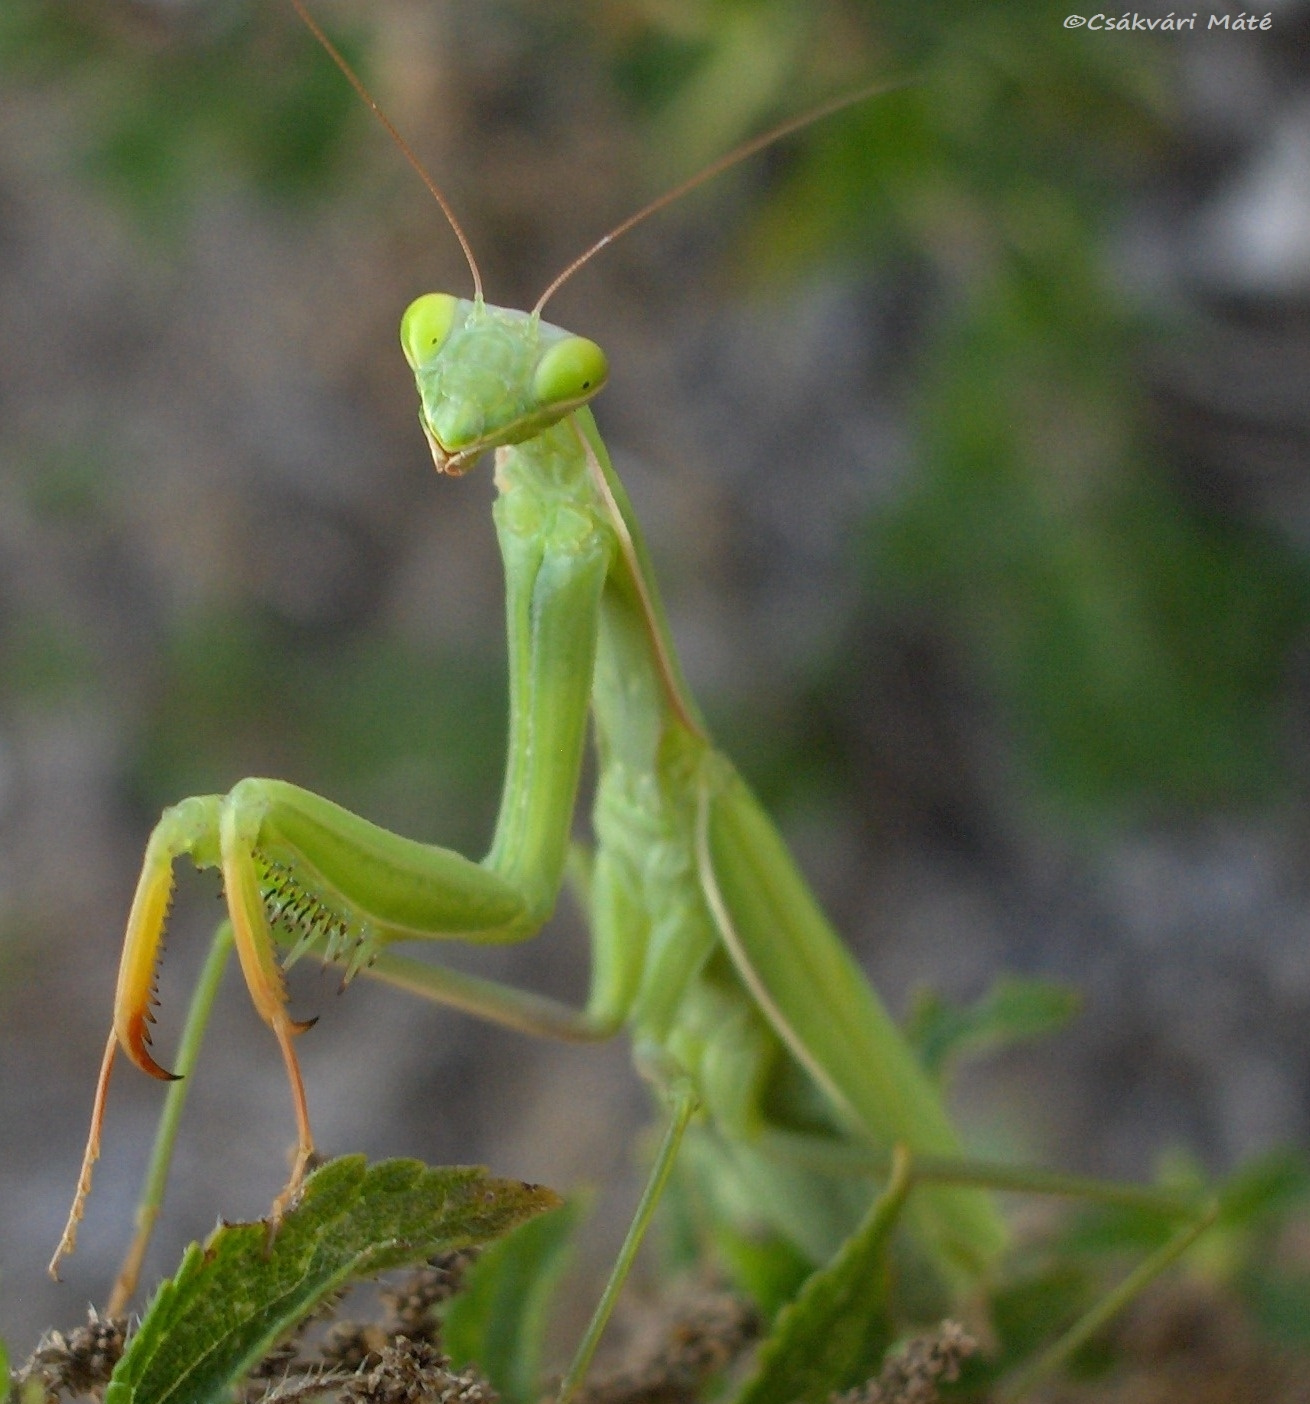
{"x":136,"y":1044}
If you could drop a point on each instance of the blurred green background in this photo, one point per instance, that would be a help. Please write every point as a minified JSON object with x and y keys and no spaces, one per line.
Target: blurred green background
{"x":970,"y":433}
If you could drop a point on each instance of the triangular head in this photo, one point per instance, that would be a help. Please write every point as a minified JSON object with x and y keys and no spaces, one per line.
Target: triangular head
{"x":489,"y":376}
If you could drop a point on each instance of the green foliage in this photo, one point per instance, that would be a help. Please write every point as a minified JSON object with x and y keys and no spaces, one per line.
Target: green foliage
{"x":1241,"y":1253}
{"x":1257,"y":1206}
{"x":1252,"y":1206}
{"x":1137,"y":646}
{"x":499,"y":1320}
{"x":1014,"y":1010}
{"x":770,"y":1270}
{"x":834,"y":1334}
{"x":234,"y":1298}
{"x":1263,"y":1193}
{"x":1030,"y":1308}
{"x":226,"y":86}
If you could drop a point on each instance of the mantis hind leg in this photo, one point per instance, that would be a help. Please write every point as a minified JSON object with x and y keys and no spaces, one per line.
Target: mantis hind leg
{"x":684,"y":1103}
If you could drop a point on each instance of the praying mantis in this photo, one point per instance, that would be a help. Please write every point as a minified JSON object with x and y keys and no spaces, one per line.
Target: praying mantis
{"x":744,"y":1009}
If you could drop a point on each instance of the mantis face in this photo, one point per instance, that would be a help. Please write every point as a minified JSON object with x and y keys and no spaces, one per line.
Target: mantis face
{"x":489,"y":376}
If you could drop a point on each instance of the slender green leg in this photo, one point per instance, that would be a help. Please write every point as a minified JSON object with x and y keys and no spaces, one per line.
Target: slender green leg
{"x":831,"y":1157}
{"x":512,"y":1008}
{"x":685,"y":1102}
{"x":1025,"y":1179}
{"x":1087,"y":1325}
{"x":188,"y":1054}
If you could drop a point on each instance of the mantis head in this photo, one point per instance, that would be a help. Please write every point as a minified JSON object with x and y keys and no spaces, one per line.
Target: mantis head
{"x":489,"y":376}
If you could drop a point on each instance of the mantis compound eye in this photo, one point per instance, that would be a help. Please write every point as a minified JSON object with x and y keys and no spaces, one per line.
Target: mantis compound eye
{"x":569,"y":370}
{"x":425,"y":325}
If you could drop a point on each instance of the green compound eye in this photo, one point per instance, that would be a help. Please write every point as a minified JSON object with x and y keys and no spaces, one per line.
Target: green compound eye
{"x":570,"y":370}
{"x":425,"y":325}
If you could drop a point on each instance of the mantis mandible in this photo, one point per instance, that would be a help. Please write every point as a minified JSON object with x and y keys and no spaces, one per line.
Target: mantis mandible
{"x":742,"y":1004}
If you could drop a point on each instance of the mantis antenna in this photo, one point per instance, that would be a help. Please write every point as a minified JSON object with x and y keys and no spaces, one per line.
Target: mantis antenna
{"x":717,"y":167}
{"x":738,"y":154}
{"x":405,"y":150}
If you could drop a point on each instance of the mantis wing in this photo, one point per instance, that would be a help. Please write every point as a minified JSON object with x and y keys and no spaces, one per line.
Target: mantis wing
{"x":819,"y":1002}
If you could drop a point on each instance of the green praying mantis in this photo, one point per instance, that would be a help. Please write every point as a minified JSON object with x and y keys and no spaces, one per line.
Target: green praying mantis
{"x":744,"y":1009}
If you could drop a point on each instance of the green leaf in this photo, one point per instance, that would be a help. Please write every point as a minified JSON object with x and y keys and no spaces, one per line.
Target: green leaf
{"x":499,"y":1319}
{"x":1275,"y":1184}
{"x":1279,"y":1301}
{"x":836,"y":1332}
{"x":234,"y":1298}
{"x":1014,"y":1010}
{"x":1028,"y":1312}
{"x":770,"y":1270}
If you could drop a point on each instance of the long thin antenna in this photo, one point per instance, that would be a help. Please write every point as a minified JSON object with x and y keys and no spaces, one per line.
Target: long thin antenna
{"x":715,"y":168}
{"x":357,"y":83}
